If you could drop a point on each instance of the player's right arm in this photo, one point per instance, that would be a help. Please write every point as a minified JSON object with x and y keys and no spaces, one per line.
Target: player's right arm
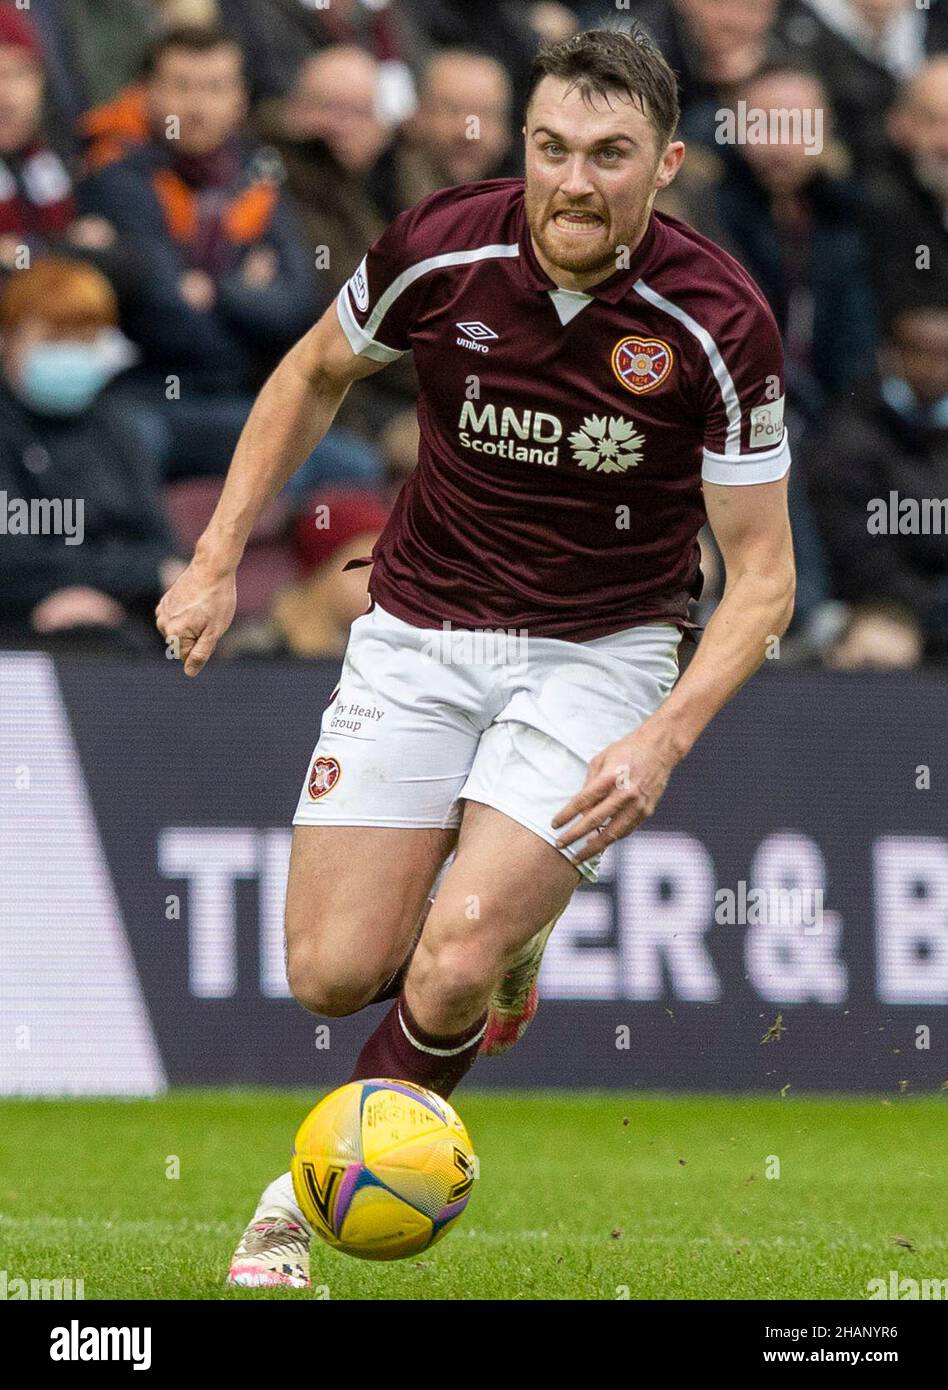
{"x":290,"y":416}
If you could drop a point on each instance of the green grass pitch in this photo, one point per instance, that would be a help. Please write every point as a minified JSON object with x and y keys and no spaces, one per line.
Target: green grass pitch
{"x":582,"y":1196}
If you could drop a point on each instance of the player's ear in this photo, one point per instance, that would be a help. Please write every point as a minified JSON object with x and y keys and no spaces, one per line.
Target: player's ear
{"x":670,"y":163}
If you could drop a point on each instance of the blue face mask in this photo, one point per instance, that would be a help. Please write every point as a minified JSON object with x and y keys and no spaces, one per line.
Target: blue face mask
{"x":901,"y":398}
{"x":64,"y":378}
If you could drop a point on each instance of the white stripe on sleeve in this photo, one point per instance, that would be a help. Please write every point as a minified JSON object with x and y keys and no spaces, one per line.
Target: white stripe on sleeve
{"x":363,"y":340}
{"x":360,"y":341}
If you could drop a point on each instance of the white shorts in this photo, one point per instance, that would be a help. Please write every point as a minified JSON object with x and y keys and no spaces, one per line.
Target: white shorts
{"x":422,"y":719}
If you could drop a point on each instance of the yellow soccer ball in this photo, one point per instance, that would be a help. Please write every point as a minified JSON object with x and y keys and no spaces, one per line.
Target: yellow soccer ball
{"x":382,"y":1169}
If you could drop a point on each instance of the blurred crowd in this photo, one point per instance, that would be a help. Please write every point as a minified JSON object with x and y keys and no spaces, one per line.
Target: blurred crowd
{"x":186,"y":184}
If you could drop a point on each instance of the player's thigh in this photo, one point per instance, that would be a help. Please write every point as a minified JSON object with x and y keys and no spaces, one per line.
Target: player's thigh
{"x":504,"y":884}
{"x":575,"y":700}
{"x":354,"y":897}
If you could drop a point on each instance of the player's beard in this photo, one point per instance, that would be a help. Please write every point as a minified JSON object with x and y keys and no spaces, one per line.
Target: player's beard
{"x":584,"y":255}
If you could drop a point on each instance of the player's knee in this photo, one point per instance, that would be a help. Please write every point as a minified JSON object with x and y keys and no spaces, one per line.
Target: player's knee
{"x":458,"y":974}
{"x":332,"y":990}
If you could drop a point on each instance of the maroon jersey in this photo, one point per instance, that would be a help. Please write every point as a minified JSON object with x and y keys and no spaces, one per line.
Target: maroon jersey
{"x":564,"y":435}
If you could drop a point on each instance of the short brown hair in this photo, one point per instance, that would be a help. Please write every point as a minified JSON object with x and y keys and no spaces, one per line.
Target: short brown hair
{"x":70,"y":295}
{"x":189,"y":38}
{"x":609,"y":60}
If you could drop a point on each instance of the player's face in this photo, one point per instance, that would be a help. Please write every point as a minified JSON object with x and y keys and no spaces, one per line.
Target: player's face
{"x":593,"y":167}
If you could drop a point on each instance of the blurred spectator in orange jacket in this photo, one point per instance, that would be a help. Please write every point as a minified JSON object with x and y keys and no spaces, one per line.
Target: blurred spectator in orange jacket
{"x":229,"y":284}
{"x":117,"y":119}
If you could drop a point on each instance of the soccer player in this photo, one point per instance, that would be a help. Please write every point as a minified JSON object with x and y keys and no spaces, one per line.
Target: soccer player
{"x":597,"y":381}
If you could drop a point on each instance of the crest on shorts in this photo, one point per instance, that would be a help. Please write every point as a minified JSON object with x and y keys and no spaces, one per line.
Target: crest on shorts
{"x":641,"y":364}
{"x":323,"y":776}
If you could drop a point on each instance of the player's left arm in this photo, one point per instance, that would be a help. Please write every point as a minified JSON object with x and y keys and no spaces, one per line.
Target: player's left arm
{"x":625,"y":781}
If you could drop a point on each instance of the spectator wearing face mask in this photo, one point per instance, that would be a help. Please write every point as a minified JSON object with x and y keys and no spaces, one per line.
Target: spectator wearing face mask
{"x":886,"y":447}
{"x":85,"y":547}
{"x":907,"y":221}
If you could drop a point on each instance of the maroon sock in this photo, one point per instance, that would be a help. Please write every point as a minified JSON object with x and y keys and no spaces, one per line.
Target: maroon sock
{"x":400,"y":1049}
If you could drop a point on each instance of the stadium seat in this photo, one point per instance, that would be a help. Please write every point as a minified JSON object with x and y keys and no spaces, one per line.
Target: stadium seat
{"x":268,"y":562}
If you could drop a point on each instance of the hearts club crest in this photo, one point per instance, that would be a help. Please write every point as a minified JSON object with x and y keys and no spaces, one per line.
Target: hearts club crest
{"x":323,"y":776}
{"x":641,"y":364}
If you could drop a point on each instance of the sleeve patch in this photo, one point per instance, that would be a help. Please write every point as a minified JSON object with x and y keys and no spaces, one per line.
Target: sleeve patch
{"x":766,"y":425}
{"x":359,"y":287}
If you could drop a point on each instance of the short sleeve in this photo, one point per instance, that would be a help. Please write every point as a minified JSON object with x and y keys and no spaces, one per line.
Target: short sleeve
{"x":745,"y":439}
{"x":375,"y":306}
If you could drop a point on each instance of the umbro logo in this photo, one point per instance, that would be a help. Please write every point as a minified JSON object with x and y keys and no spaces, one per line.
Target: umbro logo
{"x":473,"y":334}
{"x":473,"y":328}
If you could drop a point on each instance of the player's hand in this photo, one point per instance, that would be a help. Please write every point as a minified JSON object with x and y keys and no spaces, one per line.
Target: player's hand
{"x":196,"y":612}
{"x":623,"y":786}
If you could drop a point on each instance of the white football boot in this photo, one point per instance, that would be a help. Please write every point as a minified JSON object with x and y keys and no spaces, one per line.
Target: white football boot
{"x":274,"y":1249}
{"x":273,"y":1253}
